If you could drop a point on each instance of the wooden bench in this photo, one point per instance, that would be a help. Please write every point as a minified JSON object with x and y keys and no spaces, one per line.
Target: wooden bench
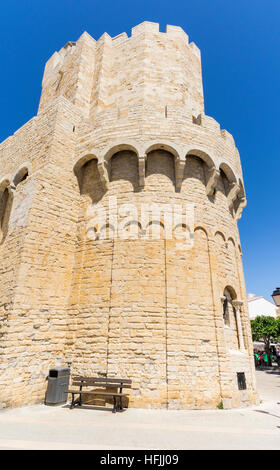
{"x":103,"y":383}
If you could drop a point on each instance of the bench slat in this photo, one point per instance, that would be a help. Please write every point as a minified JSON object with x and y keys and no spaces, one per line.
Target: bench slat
{"x":112,"y":394}
{"x":98,"y":384}
{"x":101,"y":379}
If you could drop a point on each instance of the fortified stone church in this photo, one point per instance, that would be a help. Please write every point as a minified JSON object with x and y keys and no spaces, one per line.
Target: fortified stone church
{"x":121,"y":121}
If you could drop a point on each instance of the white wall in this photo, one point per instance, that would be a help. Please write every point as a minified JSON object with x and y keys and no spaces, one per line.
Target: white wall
{"x":261,"y":306}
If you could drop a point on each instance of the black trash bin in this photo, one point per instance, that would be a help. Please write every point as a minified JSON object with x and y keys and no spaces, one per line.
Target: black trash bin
{"x":58,"y":383}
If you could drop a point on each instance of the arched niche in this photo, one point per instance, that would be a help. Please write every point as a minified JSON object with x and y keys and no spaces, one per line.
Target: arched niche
{"x":132,"y":230}
{"x":88,"y":176}
{"x":22,"y":174}
{"x":207,"y":173}
{"x":195,"y":168}
{"x":242,"y":190}
{"x":123,"y":168}
{"x":181,"y":231}
{"x":231,"y":240}
{"x":155,"y":230}
{"x":224,"y":182}
{"x":160,"y":169}
{"x":81,"y":161}
{"x":203,"y":155}
{"x":168,"y":146}
{"x":178,"y":154}
{"x":230,"y":292}
{"x":228,"y":172}
{"x":229,"y":295}
{"x":241,"y":201}
{"x":200,"y":272}
{"x":114,"y":148}
{"x":230,"y":318}
{"x":6,"y":201}
{"x":220,"y":255}
{"x":203,"y":230}
{"x":107,"y":232}
{"x":229,"y":186}
{"x":220,"y":236}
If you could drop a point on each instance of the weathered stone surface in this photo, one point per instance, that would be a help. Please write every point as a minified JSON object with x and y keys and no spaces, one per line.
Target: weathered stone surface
{"x":124,"y":117}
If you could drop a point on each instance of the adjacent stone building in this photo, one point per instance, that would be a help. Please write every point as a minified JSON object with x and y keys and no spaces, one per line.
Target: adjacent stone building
{"x":121,"y":123}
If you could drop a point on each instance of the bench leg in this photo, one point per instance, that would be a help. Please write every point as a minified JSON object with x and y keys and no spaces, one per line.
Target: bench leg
{"x":73,"y":401}
{"x":121,"y":407}
{"x":80,"y":400}
{"x":115,"y":405}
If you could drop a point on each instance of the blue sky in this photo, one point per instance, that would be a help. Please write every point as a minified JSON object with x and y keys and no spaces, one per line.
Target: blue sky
{"x":239,"y":42}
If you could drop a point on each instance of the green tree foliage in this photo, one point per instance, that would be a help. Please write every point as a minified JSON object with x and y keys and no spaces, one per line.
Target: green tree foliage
{"x":266,"y":329}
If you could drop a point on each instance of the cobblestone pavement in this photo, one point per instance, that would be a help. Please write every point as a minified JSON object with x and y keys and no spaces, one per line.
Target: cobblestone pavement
{"x":42,"y":427}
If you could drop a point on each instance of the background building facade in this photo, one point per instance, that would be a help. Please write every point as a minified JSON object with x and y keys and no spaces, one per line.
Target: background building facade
{"x":259,"y":306}
{"x":122,"y":119}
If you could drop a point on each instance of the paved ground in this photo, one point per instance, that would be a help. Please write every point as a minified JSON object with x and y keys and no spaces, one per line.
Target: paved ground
{"x":42,"y":427}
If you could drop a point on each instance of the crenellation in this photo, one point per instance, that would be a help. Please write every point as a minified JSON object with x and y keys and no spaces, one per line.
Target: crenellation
{"x":195,"y":50}
{"x":209,"y":123}
{"x":119,"y":39}
{"x":177,"y":32}
{"x":54,"y":61}
{"x":227,"y":137}
{"x":145,"y":27}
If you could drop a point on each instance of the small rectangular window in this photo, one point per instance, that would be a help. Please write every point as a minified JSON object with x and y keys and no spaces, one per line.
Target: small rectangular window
{"x":53,"y":373}
{"x":241,"y":380}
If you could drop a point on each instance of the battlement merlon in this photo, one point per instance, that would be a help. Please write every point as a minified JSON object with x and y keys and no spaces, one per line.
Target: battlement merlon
{"x":149,"y":66}
{"x":58,"y":58}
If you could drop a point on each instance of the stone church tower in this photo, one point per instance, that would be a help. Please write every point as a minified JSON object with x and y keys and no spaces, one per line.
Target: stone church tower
{"x":121,"y":126}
